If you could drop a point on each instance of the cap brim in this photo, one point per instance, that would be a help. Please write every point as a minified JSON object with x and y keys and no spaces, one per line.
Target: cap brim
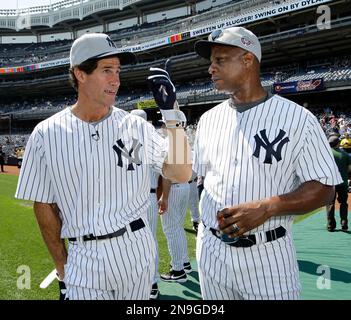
{"x":203,"y":47}
{"x":124,"y":57}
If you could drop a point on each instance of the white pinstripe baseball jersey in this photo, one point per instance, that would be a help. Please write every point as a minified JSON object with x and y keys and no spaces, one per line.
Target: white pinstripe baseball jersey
{"x":264,"y":151}
{"x":97,"y":173}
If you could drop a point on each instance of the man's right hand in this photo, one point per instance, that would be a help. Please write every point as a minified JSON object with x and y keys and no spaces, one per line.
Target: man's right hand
{"x":62,"y":287}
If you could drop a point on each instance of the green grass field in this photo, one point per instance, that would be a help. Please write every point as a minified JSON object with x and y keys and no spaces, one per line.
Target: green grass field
{"x":21,"y":245}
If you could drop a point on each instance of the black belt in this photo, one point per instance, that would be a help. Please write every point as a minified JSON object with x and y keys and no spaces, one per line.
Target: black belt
{"x":191,"y":181}
{"x":250,"y":240}
{"x":134,"y":226}
{"x":152,"y":190}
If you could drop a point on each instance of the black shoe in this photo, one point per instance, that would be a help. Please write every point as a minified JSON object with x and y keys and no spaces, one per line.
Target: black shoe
{"x":154,"y":292}
{"x":195,"y":226}
{"x":174,"y":276}
{"x":344,"y":226}
{"x":187,"y":267}
{"x":331,"y":225}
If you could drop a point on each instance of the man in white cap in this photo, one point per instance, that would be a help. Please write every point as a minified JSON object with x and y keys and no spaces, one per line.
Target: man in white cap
{"x":87,"y":169}
{"x":254,"y":151}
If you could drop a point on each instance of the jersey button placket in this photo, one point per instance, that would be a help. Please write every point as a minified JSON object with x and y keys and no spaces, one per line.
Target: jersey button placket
{"x":236,"y":162}
{"x":96,"y":174}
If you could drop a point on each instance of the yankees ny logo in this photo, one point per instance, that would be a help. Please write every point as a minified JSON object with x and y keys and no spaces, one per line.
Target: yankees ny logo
{"x":264,"y":143}
{"x":121,"y":150}
{"x":110,"y":42}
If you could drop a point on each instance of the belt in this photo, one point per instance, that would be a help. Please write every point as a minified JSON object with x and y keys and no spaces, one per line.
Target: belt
{"x":191,"y":181}
{"x":152,"y":190}
{"x":134,"y":226}
{"x":250,"y":240}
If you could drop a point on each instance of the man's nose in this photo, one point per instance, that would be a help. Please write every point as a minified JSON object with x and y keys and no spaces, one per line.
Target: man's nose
{"x":116,"y":80}
{"x":211,"y":68}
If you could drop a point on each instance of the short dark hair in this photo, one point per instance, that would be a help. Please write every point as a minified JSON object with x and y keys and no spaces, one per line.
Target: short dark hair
{"x":333,"y":141}
{"x":87,"y":66}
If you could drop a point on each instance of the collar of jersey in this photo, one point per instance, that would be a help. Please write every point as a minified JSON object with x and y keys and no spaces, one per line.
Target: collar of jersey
{"x":94,"y":123}
{"x":247,"y":106}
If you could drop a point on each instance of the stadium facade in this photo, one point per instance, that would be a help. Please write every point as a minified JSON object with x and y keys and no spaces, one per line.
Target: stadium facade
{"x":306,"y":51}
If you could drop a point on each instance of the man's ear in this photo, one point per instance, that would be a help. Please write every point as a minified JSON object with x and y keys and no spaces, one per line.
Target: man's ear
{"x":249,"y":59}
{"x":79,"y":74}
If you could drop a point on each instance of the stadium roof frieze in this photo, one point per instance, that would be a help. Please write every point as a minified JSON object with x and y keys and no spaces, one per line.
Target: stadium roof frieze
{"x":49,"y":15}
{"x":65,"y":4}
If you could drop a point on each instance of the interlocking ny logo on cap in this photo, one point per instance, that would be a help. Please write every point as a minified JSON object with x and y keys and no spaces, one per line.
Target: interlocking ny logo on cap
{"x":215,"y":35}
{"x":121,"y":150}
{"x":110,"y":42}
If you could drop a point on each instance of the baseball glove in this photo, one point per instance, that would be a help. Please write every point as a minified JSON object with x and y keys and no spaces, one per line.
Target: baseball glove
{"x":164,"y":93}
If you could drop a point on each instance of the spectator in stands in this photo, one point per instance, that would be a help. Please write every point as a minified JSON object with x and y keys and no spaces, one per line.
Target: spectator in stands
{"x":343,"y":162}
{"x":345,"y":143}
{"x":342,"y":126}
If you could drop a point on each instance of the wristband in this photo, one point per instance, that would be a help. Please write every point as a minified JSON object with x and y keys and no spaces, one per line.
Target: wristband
{"x":174,"y":126}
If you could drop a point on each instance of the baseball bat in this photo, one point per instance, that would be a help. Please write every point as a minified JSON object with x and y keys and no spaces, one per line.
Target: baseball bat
{"x":49,"y":279}
{"x":168,"y":66}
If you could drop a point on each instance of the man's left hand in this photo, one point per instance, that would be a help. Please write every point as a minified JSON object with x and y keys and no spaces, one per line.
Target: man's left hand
{"x":164,"y":93}
{"x":162,"y":88}
{"x":162,"y":205}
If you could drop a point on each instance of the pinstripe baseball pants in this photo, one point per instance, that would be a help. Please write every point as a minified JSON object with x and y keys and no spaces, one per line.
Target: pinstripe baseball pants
{"x":121,"y":268}
{"x":194,"y":202}
{"x":152,"y":216}
{"x":266,"y":271}
{"x":173,"y":225}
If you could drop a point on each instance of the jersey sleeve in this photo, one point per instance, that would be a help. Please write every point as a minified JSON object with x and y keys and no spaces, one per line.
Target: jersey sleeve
{"x":34,"y":181}
{"x":157,"y":149}
{"x":199,"y":161}
{"x":316,"y":160}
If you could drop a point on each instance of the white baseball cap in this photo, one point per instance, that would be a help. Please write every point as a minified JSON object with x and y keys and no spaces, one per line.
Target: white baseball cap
{"x":96,"y":45}
{"x":140,"y":113}
{"x":235,"y":37}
